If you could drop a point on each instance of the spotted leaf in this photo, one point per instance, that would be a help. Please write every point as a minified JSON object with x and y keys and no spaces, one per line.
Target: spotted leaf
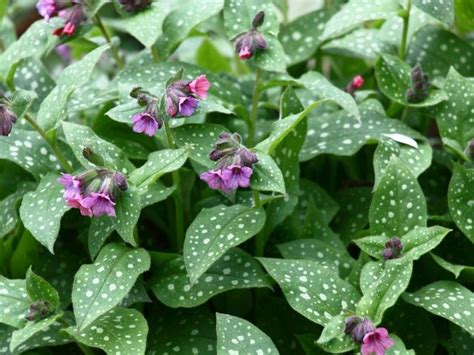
{"x":235,"y":270}
{"x":41,"y":211}
{"x":31,"y":329}
{"x":236,"y":335}
{"x":121,"y":330}
{"x":267,"y":176}
{"x":127,"y":212}
{"x":391,"y":281}
{"x":398,"y":205}
{"x":101,"y":286}
{"x":39,"y":289}
{"x":14,"y":302}
{"x":446,"y":299}
{"x":214,"y":231}
{"x":461,"y":199}
{"x":311,"y":289}
{"x":442,"y":10}
{"x":8,"y":209}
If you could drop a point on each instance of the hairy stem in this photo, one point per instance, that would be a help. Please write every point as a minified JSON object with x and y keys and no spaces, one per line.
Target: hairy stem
{"x":253,"y":113}
{"x":118,"y":59}
{"x":406,"y":23}
{"x":56,"y":151}
{"x":177,"y":196}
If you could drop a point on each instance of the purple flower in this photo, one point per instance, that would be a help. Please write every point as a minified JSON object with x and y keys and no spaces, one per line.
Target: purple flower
{"x":47,"y":8}
{"x":187,"y":106}
{"x":7,"y":119}
{"x":72,"y":186}
{"x":214,"y":180}
{"x":64,"y":51}
{"x":146,"y":123}
{"x":100,"y":204}
{"x":376,"y":342}
{"x":393,"y":249}
{"x":236,"y":176}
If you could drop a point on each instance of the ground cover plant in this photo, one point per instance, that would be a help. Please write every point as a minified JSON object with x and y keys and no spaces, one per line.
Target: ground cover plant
{"x":236,"y":177}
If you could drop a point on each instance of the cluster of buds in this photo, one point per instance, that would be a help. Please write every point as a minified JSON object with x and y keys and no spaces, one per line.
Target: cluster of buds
{"x":393,"y":249}
{"x":134,"y":5}
{"x":420,"y":85}
{"x":249,"y":42}
{"x":182,"y":96}
{"x":72,"y":12}
{"x":234,"y":164}
{"x":373,"y":340}
{"x":38,"y":310}
{"x":354,"y":85}
{"x":149,"y":121}
{"x":7,"y":119}
{"x":94,"y":192}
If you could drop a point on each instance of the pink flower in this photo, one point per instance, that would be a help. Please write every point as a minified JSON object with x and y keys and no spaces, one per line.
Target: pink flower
{"x":214,"y":180}
{"x":47,"y":8}
{"x":357,"y":82}
{"x":100,"y":204}
{"x":72,"y":187}
{"x":77,"y":203}
{"x":245,"y":53}
{"x":376,"y":342}
{"x":200,"y":86}
{"x":236,"y":176}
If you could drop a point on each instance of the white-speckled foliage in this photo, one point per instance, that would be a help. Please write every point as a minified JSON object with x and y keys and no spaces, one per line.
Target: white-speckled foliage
{"x":126,"y":226}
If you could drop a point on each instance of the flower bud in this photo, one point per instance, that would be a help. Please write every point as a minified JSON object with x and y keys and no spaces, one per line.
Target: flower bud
{"x":355,"y":84}
{"x":38,"y":310}
{"x":358,"y":327}
{"x":134,"y":5}
{"x":92,"y":156}
{"x":393,"y":249}
{"x":247,"y":157}
{"x":248,"y":43}
{"x":7,"y":119}
{"x":258,"y":19}
{"x":120,"y":181}
{"x":420,"y":85}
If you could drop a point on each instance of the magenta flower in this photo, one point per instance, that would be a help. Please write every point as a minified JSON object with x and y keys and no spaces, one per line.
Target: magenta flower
{"x":47,"y":8}
{"x":376,"y":342}
{"x":7,"y":119}
{"x":200,"y":86}
{"x":187,"y":106}
{"x":73,"y":16}
{"x":248,"y":43}
{"x":214,"y":180}
{"x":100,"y":204}
{"x":355,"y":84}
{"x":72,"y":187}
{"x":77,"y":203}
{"x":236,"y":176}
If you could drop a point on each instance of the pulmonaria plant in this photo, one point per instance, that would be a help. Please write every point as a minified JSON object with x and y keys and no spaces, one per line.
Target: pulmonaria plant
{"x":247,"y":44}
{"x":420,"y":85}
{"x":355,"y":84}
{"x":393,"y":249}
{"x":234,"y":164}
{"x":7,"y":119}
{"x":149,"y":121}
{"x":182,"y":96}
{"x":72,"y":12}
{"x":374,"y":341}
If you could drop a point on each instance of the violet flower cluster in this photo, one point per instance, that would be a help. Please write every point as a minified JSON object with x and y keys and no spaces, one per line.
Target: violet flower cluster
{"x":149,"y":121}
{"x":393,"y":249}
{"x":182,"y":97}
{"x":7,"y":119}
{"x":234,"y":164}
{"x":248,"y":43}
{"x":94,"y":192}
{"x":72,"y":12}
{"x":373,"y":340}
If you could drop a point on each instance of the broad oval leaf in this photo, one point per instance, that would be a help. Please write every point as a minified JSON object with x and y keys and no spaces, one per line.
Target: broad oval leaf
{"x":127,"y":211}
{"x":101,"y":286}
{"x":267,"y":176}
{"x":31,"y":329}
{"x":39,"y":289}
{"x":214,"y":231}
{"x":14,"y":302}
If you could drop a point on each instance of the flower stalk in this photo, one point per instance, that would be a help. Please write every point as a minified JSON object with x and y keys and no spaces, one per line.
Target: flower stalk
{"x":115,"y":54}
{"x":406,"y":22}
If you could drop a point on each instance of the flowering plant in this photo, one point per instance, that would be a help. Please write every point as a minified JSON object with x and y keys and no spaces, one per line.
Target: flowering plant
{"x":236,"y":177}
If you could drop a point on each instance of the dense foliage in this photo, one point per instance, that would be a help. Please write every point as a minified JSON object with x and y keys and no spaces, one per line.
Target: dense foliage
{"x":223,"y":176}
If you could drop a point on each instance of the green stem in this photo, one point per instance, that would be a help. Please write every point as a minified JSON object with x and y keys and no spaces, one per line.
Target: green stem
{"x":406,"y":22}
{"x":178,"y":206}
{"x":260,"y":237}
{"x":106,"y":35}
{"x":61,"y":158}
{"x":404,"y":117}
{"x":85,"y":349}
{"x":253,"y":113}
{"x":154,"y":54}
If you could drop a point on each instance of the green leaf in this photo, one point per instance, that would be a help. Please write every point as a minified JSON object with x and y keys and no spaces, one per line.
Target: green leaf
{"x":14,"y":302}
{"x":356,"y":12}
{"x":29,"y":150}
{"x":239,"y":14}
{"x":80,"y":137}
{"x":398,"y":205}
{"x":200,"y":138}
{"x":333,"y":339}
{"x":180,"y":22}
{"x":273,"y":57}
{"x":392,"y":279}
{"x":461,"y":340}
{"x":41,"y":211}
{"x":21,"y":102}
{"x":398,"y":347}
{"x":416,"y":159}
{"x":454,"y":117}
{"x":127,"y":213}
{"x":440,"y":9}
{"x":214,"y":231}
{"x":31,"y":329}
{"x":54,"y":106}
{"x":455,"y":269}
{"x":210,"y":58}
{"x":394,"y":79}
{"x":338,"y":260}
{"x":120,"y":330}
{"x":31,"y":75}
{"x":321,"y":87}
{"x":155,"y":193}
{"x":158,"y":164}
{"x":437,"y":50}
{"x":99,"y":230}
{"x":338,"y":134}
{"x":267,"y":176}
{"x":235,"y":270}
{"x":311,"y":289}
{"x":416,"y":242}
{"x":39,"y":289}
{"x":8,"y":209}
{"x":446,"y":299}
{"x":137,"y":294}
{"x":101,"y":286}
{"x":236,"y":335}
{"x":300,"y":38}
{"x":461,"y":199}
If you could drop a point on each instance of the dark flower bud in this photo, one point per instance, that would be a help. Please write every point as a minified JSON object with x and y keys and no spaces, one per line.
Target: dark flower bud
{"x":7,"y":119}
{"x":120,"y":181}
{"x":350,"y":323}
{"x":393,"y":249}
{"x":420,"y":85}
{"x":247,"y":157}
{"x":92,"y":156}
{"x":135,"y":92}
{"x":143,"y":99}
{"x":260,"y":41}
{"x":258,"y":19}
{"x":134,"y":5}
{"x":38,"y":310}
{"x":248,"y":43}
{"x":358,"y":327}
{"x":355,"y":84}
